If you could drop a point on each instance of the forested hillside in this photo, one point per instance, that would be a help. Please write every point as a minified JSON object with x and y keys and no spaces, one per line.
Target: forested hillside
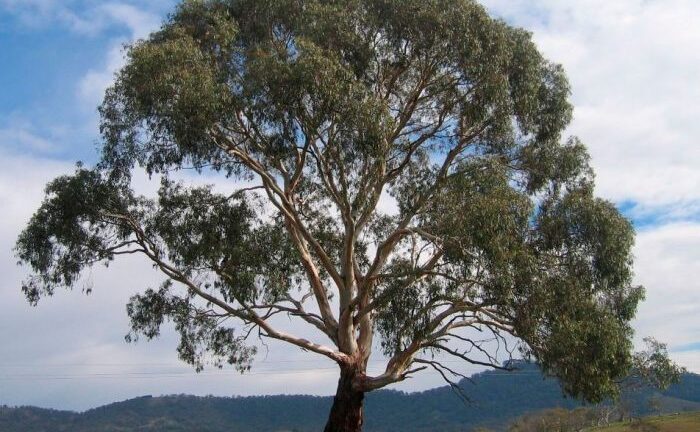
{"x":497,"y":397}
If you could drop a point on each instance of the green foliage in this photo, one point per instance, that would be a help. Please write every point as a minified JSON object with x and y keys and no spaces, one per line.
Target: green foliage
{"x":326,"y":107}
{"x":70,"y":231}
{"x":200,"y":334}
{"x":653,"y":367}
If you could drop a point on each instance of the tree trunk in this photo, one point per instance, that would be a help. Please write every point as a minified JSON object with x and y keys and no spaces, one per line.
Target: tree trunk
{"x":346,"y":413}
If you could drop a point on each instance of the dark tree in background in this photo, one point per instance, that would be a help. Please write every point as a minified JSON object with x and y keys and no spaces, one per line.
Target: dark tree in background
{"x":327,"y":109}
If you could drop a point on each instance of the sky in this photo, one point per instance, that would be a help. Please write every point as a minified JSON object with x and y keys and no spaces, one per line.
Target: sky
{"x":633,"y":67}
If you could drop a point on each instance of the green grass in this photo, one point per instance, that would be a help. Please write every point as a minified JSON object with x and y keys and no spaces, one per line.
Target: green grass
{"x":687,"y":422}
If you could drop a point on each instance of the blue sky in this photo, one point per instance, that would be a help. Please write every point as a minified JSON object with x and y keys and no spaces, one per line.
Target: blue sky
{"x":57,"y":58}
{"x":633,"y":66}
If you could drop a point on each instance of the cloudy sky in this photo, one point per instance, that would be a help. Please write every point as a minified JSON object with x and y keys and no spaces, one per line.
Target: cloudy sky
{"x":634,"y":68}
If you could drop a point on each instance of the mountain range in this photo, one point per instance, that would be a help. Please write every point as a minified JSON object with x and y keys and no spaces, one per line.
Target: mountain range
{"x":495,"y":398}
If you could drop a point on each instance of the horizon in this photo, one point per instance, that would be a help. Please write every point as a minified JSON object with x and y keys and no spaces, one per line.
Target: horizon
{"x":632,"y":67}
{"x":409,"y":392}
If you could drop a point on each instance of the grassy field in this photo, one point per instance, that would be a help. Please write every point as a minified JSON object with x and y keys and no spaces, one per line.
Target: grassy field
{"x":689,"y":422}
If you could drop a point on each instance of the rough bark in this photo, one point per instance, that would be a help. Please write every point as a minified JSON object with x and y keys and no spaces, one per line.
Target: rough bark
{"x":347,"y":411}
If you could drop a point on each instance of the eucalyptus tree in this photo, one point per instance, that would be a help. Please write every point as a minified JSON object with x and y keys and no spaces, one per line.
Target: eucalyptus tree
{"x":319,"y":115}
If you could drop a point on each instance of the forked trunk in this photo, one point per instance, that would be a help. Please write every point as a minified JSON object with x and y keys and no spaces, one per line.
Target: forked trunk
{"x":346,"y":413}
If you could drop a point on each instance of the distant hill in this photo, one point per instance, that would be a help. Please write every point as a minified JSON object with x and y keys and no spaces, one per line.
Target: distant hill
{"x":496,"y":398}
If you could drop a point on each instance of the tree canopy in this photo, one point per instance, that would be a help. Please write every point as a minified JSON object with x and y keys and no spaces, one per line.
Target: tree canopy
{"x":330,"y":112}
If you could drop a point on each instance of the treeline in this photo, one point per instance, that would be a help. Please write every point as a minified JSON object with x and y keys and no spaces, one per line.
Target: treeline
{"x":576,"y":420}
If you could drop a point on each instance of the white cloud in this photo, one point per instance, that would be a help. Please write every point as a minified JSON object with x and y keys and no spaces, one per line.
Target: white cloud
{"x":21,"y":136}
{"x":667,"y":264}
{"x":139,"y":22}
{"x":90,"y":18}
{"x":633,"y":65}
{"x":92,"y":86}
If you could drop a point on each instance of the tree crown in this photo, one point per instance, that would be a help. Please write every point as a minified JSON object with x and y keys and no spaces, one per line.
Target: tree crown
{"x":328,"y":109}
